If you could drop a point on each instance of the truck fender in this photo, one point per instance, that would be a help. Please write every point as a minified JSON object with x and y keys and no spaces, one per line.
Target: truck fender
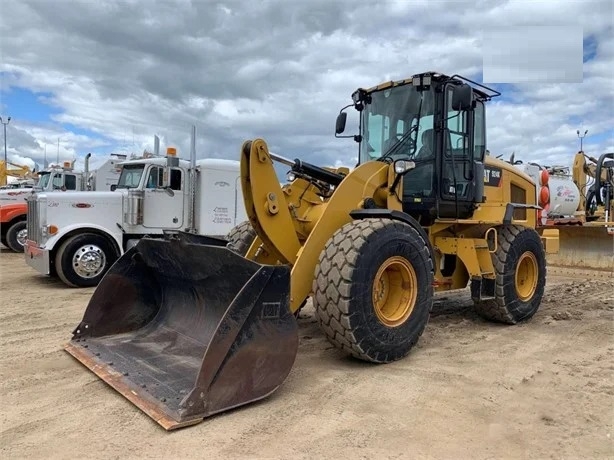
{"x":70,"y":230}
{"x":9,"y":212}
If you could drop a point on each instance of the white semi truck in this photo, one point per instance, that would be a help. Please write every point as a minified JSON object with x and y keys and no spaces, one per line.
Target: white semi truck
{"x":78,"y":236}
{"x":13,"y":209}
{"x":63,"y":177}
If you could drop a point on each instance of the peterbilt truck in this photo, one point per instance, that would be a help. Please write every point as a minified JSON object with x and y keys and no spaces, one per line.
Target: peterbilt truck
{"x":13,"y":209}
{"x":64,"y":177}
{"x":78,"y":236}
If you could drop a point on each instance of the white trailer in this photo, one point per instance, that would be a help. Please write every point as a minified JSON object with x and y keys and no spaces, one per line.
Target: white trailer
{"x":78,"y":236}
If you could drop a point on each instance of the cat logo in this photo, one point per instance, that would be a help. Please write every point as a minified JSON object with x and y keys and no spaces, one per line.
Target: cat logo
{"x":222,"y":184}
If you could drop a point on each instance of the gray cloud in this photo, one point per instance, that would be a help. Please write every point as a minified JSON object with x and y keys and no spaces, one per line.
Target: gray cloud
{"x":278,"y":70}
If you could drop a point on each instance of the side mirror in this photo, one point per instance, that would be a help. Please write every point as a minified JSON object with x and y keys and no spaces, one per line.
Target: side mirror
{"x":341,"y":120}
{"x":462,"y":97}
{"x":113,"y":187}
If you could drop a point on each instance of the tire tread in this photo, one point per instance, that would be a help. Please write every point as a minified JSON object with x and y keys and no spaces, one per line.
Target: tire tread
{"x":500,"y":309}
{"x":333,"y":280}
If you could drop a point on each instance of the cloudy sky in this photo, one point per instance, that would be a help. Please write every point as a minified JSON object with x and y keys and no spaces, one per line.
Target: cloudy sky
{"x":105,"y":76}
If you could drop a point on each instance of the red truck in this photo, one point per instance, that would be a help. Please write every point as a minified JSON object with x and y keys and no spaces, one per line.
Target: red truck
{"x":13,"y":225}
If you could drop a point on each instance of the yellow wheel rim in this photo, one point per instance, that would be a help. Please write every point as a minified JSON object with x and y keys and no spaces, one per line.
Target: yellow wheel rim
{"x":526,"y":276}
{"x":395,"y":289}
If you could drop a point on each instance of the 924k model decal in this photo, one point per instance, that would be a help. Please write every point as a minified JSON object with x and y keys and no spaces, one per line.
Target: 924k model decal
{"x":492,"y":176}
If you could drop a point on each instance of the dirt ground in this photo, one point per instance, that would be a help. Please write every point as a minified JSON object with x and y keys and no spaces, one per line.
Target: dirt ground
{"x":470,"y":390}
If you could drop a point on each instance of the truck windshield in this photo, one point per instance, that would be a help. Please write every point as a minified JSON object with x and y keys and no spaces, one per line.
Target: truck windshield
{"x":130,"y":176}
{"x":398,"y":122}
{"x":43,"y":181}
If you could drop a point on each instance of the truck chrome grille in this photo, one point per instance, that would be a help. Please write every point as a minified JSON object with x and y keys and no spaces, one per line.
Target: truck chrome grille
{"x":33,"y":224}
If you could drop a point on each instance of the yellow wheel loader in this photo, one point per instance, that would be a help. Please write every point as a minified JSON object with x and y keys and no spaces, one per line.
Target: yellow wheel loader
{"x":188,"y":326}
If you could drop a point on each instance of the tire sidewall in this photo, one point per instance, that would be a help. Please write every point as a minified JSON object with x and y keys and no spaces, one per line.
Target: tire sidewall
{"x":68,"y":250}
{"x":526,"y":240}
{"x":392,"y":240}
{"x":11,"y":236}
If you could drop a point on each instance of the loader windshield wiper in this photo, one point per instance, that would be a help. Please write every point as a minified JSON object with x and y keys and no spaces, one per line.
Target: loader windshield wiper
{"x":401,"y":142}
{"x":406,"y":136}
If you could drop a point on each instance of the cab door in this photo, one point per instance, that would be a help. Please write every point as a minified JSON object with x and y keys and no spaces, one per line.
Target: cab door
{"x":463,"y":150}
{"x":164,"y":208}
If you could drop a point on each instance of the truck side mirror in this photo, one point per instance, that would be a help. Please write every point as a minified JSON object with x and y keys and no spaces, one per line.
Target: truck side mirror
{"x":462,"y":97}
{"x":166,"y":181}
{"x":341,"y":120}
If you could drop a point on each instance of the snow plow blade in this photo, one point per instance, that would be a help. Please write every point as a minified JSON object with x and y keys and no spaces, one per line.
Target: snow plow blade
{"x":185,"y":330}
{"x":588,"y":247}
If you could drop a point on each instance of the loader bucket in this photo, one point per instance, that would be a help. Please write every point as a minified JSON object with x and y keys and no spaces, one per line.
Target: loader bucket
{"x":185,"y":330}
{"x":588,"y":247}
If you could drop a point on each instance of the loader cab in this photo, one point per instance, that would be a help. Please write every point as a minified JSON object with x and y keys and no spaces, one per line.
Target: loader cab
{"x":437,"y":123}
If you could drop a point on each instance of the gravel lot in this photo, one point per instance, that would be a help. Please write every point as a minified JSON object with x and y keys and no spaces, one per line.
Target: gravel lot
{"x":470,"y":390}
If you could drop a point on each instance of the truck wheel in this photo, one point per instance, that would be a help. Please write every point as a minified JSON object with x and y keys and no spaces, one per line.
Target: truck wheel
{"x":520,"y":270}
{"x":16,"y":236}
{"x":82,"y":260}
{"x":241,"y":237}
{"x":373,"y":289}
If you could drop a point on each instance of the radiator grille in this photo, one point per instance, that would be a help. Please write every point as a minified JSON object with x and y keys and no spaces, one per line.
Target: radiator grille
{"x":33,"y":224}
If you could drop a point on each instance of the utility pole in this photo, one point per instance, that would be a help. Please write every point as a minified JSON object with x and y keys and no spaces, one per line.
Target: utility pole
{"x":581,"y":138}
{"x":45,"y":158}
{"x":4,"y":123}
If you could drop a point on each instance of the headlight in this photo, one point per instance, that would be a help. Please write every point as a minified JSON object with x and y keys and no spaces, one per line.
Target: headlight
{"x":401,"y":166}
{"x":290,"y":176}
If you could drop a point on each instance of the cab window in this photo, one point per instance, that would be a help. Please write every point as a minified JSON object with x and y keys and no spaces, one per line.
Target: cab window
{"x":70,"y":182}
{"x":57,"y":181}
{"x":479,"y":132}
{"x":176,"y":179}
{"x":155,"y":179}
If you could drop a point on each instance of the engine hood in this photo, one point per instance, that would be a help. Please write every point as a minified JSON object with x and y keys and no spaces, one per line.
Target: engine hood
{"x":14,"y":195}
{"x":81,"y":197}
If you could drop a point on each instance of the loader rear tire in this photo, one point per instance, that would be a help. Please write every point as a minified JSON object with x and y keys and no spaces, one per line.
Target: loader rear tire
{"x":16,"y":236}
{"x":373,"y":289}
{"x":241,"y":237}
{"x":82,"y":260}
{"x":520,"y":270}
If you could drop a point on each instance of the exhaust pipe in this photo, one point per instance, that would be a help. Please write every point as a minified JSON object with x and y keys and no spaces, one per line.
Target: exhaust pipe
{"x":86,"y":171}
{"x":192,"y":189}
{"x":87,"y":163}
{"x":156,"y":146}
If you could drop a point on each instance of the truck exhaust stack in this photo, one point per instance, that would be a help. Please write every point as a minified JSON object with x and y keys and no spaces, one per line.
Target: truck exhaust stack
{"x":185,"y":328}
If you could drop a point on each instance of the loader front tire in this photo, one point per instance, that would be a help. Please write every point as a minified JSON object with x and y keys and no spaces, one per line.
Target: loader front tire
{"x":241,"y":238}
{"x":520,"y":270}
{"x":373,"y":289}
{"x":82,"y":260}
